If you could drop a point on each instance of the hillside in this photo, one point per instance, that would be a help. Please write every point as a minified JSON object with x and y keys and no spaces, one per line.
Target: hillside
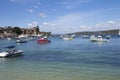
{"x":111,"y":32}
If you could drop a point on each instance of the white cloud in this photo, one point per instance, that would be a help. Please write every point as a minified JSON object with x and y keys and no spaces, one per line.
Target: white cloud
{"x":33,"y":24}
{"x":48,"y":27}
{"x":75,"y":22}
{"x":85,"y":21}
{"x":69,"y":4}
{"x":43,"y":15}
{"x":108,"y":25}
{"x":73,"y":18}
{"x":111,"y":22}
{"x":30,"y":10}
{"x":35,"y":6}
{"x":67,"y":23}
{"x":45,"y":24}
{"x":29,"y":24}
{"x":38,"y":3}
{"x":68,"y":19}
{"x":48,"y":24}
{"x":84,"y":28}
{"x":23,"y":1}
{"x":105,"y":24}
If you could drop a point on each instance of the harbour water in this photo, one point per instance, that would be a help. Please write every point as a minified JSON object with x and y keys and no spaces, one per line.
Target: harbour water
{"x":77,"y":59}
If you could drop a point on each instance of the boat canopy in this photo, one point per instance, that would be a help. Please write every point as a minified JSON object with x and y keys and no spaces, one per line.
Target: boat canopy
{"x":10,"y":47}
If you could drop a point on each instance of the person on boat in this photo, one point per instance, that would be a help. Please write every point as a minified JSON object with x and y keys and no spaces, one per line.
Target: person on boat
{"x":42,"y":38}
{"x":13,"y":51}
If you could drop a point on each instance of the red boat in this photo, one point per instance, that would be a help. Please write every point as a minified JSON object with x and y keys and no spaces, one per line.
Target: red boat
{"x":43,"y":41}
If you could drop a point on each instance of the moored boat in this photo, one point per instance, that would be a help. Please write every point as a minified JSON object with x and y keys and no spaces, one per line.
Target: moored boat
{"x":67,"y":37}
{"x":43,"y":41}
{"x":98,"y":39}
{"x":21,"y":41}
{"x":108,"y":37}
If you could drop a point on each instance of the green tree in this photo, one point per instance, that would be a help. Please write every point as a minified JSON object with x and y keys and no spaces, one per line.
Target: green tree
{"x":8,"y":29}
{"x":1,"y":30}
{"x":17,"y":30}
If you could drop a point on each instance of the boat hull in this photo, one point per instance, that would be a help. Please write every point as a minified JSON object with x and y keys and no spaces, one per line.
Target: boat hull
{"x":14,"y":54}
{"x":43,"y":41}
{"x":21,"y":41}
{"x":99,"y":40}
{"x":65,"y":38}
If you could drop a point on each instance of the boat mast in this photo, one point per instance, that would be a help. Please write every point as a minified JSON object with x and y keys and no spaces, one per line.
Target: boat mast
{"x":119,"y":32}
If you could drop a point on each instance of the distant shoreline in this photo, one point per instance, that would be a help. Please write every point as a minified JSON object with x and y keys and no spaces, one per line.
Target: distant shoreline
{"x":104,"y":32}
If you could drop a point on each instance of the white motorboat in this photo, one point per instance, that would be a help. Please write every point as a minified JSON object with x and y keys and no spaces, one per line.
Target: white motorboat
{"x":85,"y":36}
{"x":66,"y":37}
{"x":23,"y":36}
{"x":9,"y":39}
{"x":108,"y":37}
{"x":98,"y":39}
{"x":12,"y":52}
{"x":21,"y":41}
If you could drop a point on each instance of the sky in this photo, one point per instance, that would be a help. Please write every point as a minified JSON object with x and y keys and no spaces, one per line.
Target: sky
{"x":61,"y":16}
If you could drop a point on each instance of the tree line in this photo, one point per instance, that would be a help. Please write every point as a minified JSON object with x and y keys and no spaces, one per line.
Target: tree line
{"x":10,"y":29}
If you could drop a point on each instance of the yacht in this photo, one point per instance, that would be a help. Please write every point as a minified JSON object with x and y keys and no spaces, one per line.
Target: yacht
{"x":98,"y":39}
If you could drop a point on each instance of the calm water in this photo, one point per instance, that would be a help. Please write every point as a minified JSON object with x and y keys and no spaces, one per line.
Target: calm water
{"x":78,"y":59}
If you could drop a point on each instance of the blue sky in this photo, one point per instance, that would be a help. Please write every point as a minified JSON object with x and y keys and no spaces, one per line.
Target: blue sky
{"x":61,"y":16}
